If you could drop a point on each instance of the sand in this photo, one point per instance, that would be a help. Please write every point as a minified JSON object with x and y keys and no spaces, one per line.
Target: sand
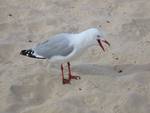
{"x":115,"y":81}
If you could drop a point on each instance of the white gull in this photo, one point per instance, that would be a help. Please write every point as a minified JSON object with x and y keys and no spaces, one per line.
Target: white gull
{"x":65,"y":47}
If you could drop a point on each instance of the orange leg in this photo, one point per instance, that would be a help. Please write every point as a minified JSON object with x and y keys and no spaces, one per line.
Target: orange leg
{"x":70,"y":74}
{"x":64,"y":81}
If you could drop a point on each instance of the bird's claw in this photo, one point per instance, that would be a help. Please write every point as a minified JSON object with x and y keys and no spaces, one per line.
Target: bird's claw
{"x":75,"y":77}
{"x":66,"y":81}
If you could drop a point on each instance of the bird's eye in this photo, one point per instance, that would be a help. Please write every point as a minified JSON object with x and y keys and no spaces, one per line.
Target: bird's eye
{"x":98,"y":36}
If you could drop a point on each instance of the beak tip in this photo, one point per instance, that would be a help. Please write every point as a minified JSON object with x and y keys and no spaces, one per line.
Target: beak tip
{"x":100,"y":43}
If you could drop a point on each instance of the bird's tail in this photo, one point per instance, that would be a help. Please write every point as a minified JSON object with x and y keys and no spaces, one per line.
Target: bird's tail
{"x":30,"y":53}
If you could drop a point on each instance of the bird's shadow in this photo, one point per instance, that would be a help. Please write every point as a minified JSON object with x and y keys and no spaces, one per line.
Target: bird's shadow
{"x":110,"y":70}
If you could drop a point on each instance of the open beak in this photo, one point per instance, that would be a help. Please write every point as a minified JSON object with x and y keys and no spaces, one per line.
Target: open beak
{"x":100,"y":43}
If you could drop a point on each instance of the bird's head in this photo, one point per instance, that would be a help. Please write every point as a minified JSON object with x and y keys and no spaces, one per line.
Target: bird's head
{"x":97,"y":36}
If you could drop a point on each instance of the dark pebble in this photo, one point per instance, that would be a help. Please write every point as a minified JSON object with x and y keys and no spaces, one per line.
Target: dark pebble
{"x":120,"y":71}
{"x":117,"y":58}
{"x":108,"y":21}
{"x":10,"y":14}
{"x":80,"y":89}
{"x":29,"y":40}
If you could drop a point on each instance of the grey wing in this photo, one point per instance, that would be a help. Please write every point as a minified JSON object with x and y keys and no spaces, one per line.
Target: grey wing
{"x":55,"y":46}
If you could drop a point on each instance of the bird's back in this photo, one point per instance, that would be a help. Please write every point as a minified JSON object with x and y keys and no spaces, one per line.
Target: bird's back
{"x":56,"y":45}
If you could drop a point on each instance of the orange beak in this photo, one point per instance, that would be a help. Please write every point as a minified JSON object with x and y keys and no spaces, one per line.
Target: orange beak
{"x":101,"y":45}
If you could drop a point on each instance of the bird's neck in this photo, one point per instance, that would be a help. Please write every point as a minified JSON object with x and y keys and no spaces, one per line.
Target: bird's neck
{"x":85,"y":40}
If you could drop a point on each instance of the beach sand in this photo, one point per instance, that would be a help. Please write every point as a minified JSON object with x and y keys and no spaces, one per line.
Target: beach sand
{"x":115,"y":81}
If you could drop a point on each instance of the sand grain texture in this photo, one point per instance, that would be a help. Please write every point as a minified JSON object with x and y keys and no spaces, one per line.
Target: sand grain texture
{"x":117,"y":81}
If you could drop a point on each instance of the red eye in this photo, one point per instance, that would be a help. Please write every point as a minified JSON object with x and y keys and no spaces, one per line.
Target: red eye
{"x":98,"y":36}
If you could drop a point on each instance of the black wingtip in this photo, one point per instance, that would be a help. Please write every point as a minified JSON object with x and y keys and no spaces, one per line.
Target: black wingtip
{"x":23,"y":52}
{"x":29,"y":53}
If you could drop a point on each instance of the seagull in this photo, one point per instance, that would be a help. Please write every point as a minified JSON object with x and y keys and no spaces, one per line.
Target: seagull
{"x":65,"y":47}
